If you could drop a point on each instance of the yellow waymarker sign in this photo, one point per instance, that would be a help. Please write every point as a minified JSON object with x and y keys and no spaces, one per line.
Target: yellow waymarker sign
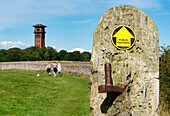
{"x":123,"y":37}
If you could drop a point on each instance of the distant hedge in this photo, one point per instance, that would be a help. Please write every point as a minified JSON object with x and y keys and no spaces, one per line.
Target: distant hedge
{"x":45,"y":53}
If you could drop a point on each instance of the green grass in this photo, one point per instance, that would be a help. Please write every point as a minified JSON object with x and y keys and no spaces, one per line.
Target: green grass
{"x":22,"y":93}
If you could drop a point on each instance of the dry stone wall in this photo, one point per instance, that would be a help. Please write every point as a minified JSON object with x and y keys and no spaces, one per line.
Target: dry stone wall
{"x":83,"y":69}
{"x":136,"y":69}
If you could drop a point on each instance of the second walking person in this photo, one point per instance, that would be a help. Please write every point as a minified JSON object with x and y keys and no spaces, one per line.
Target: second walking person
{"x":55,"y":69}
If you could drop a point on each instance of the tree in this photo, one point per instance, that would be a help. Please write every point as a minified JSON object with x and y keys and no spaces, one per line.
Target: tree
{"x":3,"y":54}
{"x":47,"y":55}
{"x":164,"y":73}
{"x":14,"y":54}
{"x":76,"y":56}
{"x":25,"y":55}
{"x":35,"y":56}
{"x":63,"y":55}
{"x":53,"y":53}
{"x":33,"y":48}
{"x":85,"y":56}
{"x":34,"y":53}
{"x":42,"y":51}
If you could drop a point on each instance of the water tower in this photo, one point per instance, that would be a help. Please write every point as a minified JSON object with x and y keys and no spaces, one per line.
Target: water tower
{"x":39,"y":35}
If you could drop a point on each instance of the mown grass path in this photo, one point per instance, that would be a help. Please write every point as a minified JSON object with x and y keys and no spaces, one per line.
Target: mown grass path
{"x":22,"y":93}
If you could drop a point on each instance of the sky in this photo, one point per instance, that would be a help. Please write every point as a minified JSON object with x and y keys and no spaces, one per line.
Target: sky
{"x":70,"y":23}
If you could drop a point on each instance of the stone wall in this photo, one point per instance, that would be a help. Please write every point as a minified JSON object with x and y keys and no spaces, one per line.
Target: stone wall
{"x":137,"y":69}
{"x":83,"y":69}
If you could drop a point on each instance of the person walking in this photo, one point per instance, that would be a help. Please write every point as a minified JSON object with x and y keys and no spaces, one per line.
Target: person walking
{"x":59,"y":69}
{"x":48,"y":68}
{"x":54,"y":69}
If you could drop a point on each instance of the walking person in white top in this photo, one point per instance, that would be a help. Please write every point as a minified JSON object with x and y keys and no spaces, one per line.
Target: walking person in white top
{"x":59,"y":69}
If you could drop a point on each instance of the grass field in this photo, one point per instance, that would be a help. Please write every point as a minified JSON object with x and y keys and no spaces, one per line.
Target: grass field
{"x":22,"y":93}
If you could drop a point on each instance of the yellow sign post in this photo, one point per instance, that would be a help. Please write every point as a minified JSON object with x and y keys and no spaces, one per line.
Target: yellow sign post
{"x":123,"y":37}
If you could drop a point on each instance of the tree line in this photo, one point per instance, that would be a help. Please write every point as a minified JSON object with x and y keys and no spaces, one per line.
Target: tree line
{"x":45,"y":53}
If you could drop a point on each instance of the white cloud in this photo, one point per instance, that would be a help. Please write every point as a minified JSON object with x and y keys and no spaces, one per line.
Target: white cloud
{"x":61,"y":49}
{"x":10,"y":44}
{"x":79,"y":49}
{"x":54,"y":47}
{"x":75,"y":49}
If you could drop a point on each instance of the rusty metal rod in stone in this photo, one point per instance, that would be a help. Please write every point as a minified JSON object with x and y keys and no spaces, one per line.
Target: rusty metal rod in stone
{"x":112,"y":91}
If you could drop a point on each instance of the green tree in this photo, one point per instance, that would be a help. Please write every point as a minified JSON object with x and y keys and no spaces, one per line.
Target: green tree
{"x":33,"y":48}
{"x":70,"y":56}
{"x":76,"y":56}
{"x":47,"y":55}
{"x":53,"y":53}
{"x":42,"y":51}
{"x":35,"y":56}
{"x":63,"y":55}
{"x":25,"y":55}
{"x":85,"y":56}
{"x":164,"y":73}
{"x":13,"y":54}
{"x":34,"y":53}
{"x":3,"y":54}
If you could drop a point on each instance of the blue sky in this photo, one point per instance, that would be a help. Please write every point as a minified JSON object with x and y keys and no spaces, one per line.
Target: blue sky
{"x":70,"y":23}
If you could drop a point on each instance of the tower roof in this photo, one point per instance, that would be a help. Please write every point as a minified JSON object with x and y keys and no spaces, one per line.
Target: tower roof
{"x":39,"y":25}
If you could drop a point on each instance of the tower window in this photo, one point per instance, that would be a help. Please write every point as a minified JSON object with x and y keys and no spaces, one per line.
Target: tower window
{"x":38,"y":29}
{"x":37,"y":36}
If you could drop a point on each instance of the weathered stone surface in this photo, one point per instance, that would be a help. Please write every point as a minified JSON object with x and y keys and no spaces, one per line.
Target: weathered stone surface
{"x":137,"y":68}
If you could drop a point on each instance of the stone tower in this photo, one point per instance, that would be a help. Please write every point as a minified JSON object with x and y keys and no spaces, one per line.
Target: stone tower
{"x":39,"y":35}
{"x":126,"y":49}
